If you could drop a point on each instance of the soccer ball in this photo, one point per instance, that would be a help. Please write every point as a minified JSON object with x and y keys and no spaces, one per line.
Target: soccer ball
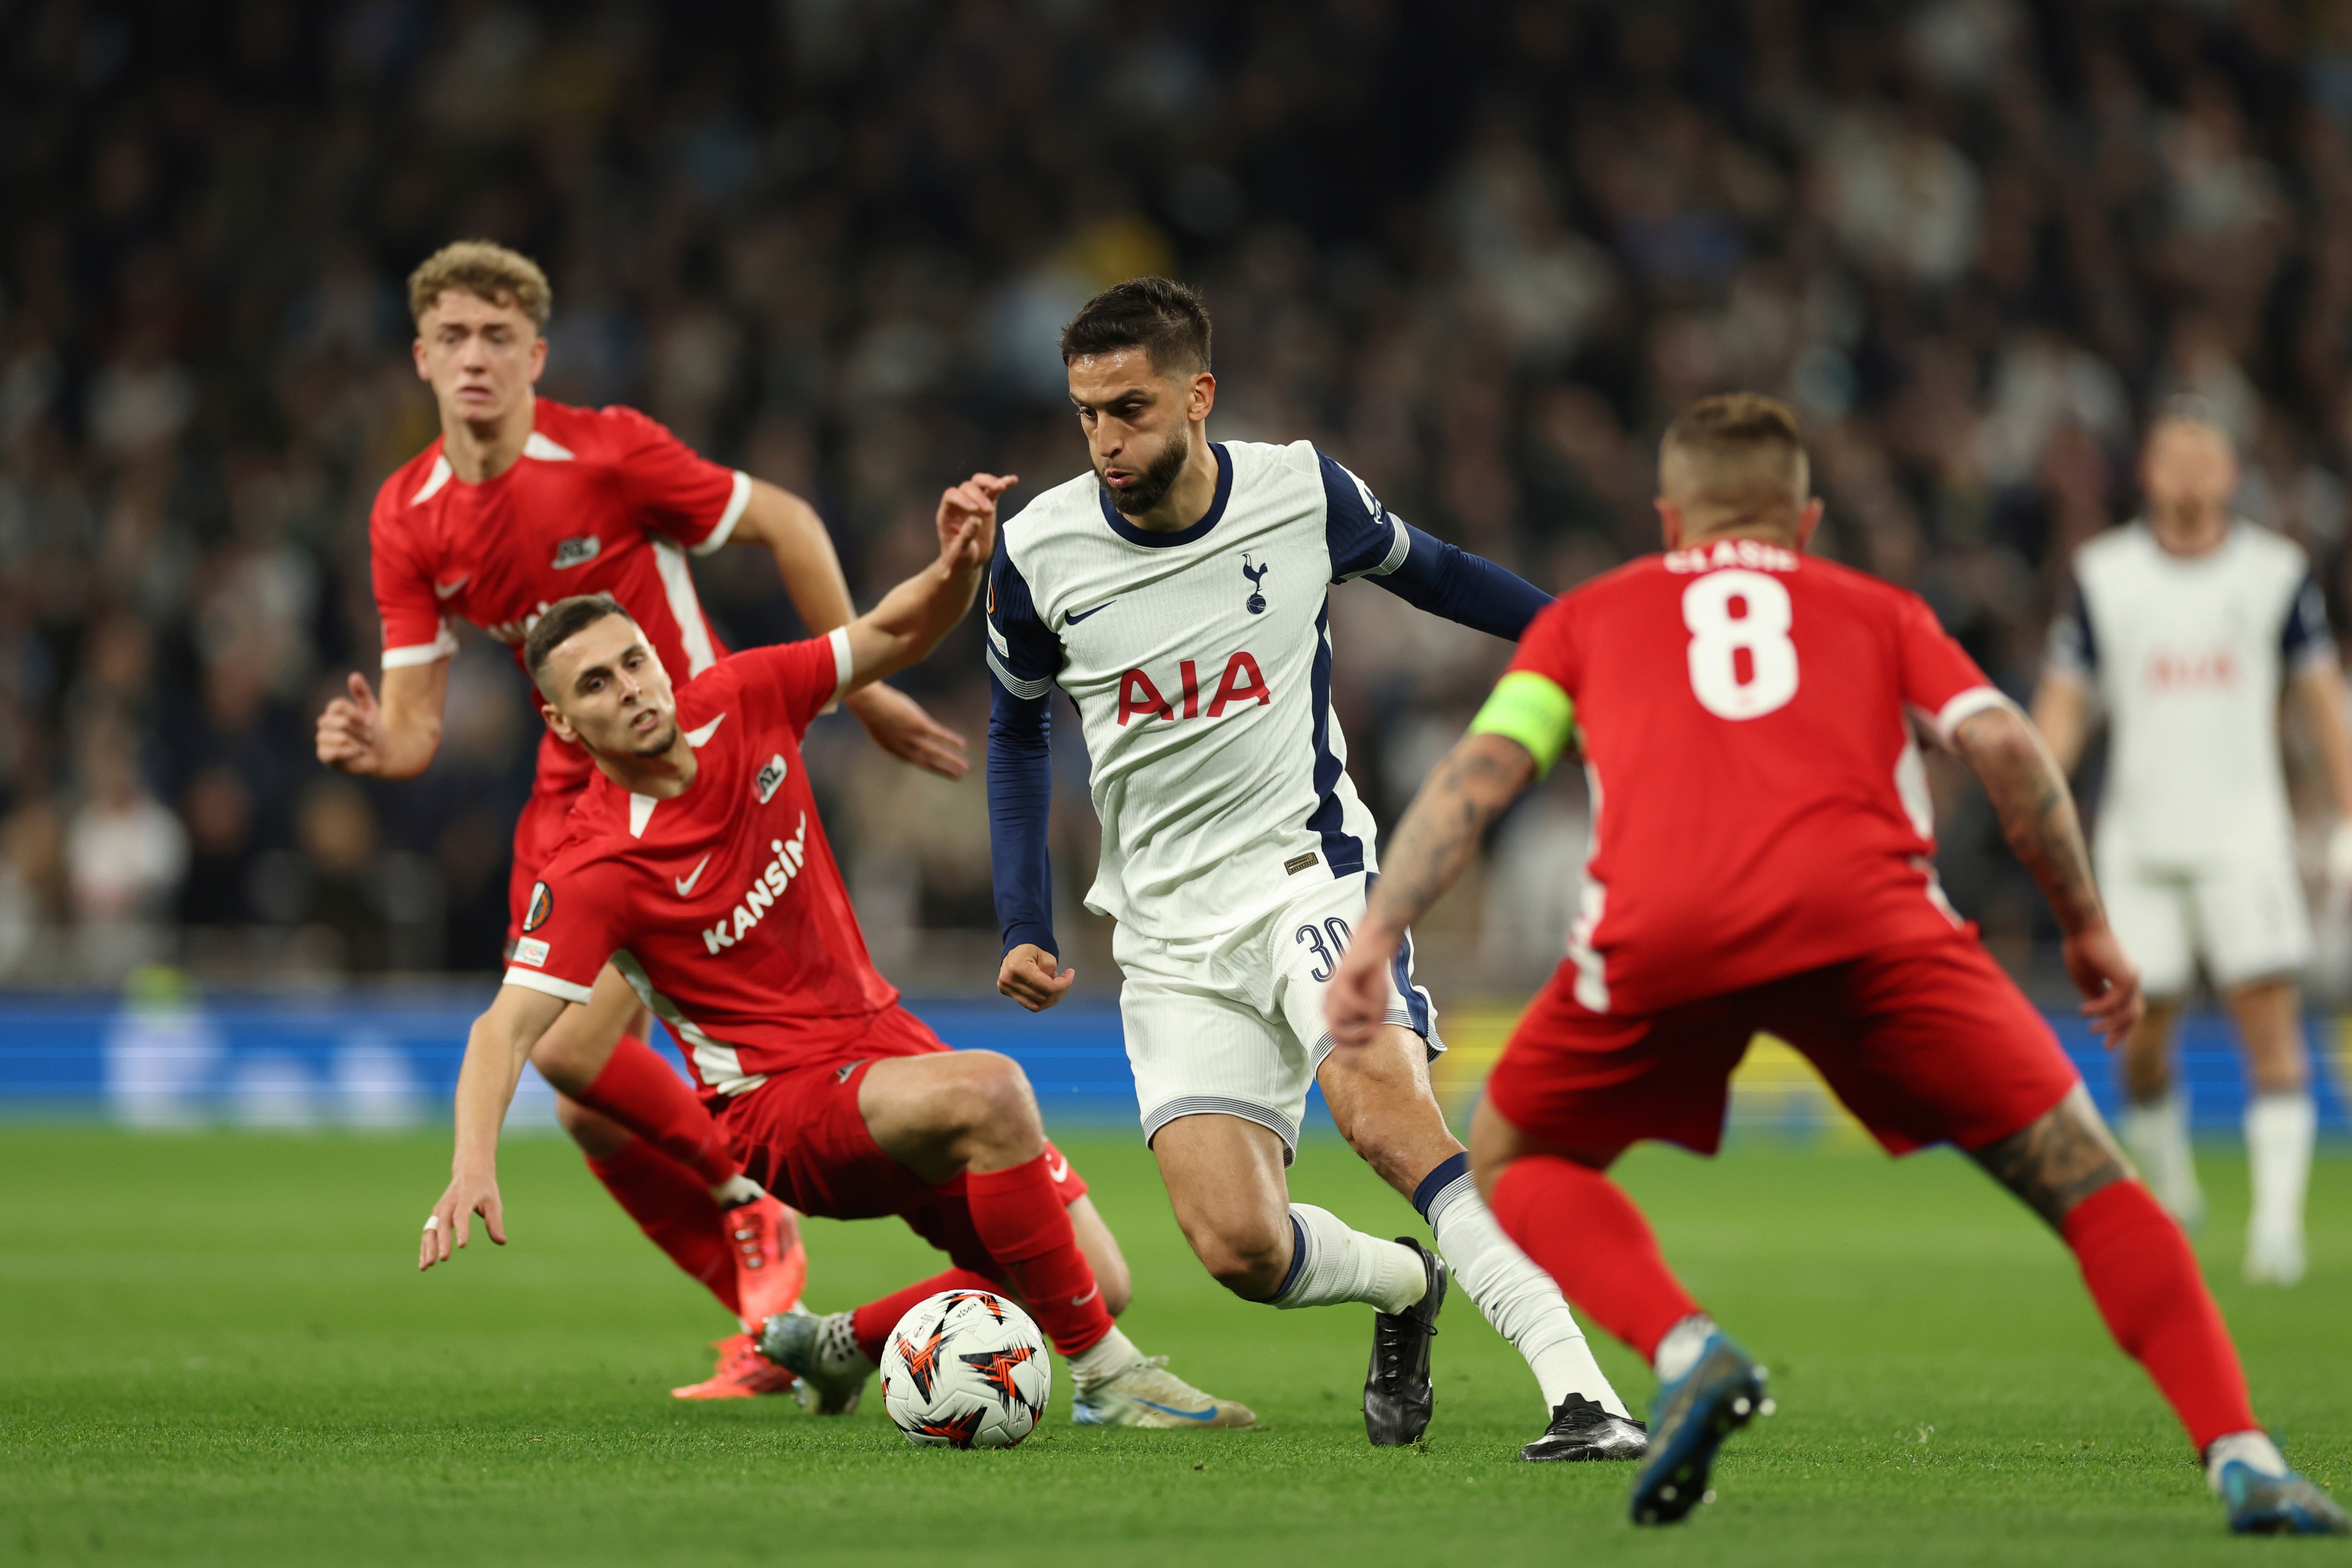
{"x":966,"y":1369}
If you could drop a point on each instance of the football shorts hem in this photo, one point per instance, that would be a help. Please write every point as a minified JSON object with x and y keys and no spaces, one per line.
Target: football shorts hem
{"x":1281,"y":1126}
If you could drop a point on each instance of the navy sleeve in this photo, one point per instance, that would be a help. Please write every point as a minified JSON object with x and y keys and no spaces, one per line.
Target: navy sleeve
{"x":1367,"y":539}
{"x":1023,"y":660}
{"x":2072,"y":648}
{"x":2304,"y":640}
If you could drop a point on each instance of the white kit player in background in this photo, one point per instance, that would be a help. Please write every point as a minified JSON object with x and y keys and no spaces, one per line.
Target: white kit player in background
{"x":2184,"y":627}
{"x":1177,"y":594}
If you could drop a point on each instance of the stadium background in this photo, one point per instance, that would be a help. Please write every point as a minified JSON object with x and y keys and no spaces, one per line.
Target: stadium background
{"x":1477,"y":252}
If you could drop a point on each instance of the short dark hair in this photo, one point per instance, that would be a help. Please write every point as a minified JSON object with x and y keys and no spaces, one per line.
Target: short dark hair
{"x":563,"y":621}
{"x":1163,"y":318}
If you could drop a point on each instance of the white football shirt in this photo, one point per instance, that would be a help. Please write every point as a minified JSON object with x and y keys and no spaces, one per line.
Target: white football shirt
{"x":1200,"y":662}
{"x":2188,"y":656}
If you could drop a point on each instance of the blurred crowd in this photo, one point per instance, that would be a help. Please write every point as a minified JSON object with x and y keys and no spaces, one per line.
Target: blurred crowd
{"x":1480,"y":253}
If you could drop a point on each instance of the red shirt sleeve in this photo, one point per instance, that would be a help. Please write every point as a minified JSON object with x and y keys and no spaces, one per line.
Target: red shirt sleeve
{"x":676,"y":490}
{"x":795,"y":682}
{"x":414,"y":631}
{"x":577,"y":919}
{"x":1941,"y":683}
{"x":1550,"y":648}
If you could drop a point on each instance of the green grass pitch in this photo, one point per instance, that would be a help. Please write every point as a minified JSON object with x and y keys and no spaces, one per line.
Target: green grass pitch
{"x":214,"y":1348}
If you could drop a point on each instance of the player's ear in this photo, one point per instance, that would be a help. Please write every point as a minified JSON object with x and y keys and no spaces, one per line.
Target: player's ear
{"x":538,"y":357}
{"x":416,"y":349}
{"x":558,"y":722}
{"x":1808,"y":520}
{"x":1670,"y":522}
{"x":1201,"y":396}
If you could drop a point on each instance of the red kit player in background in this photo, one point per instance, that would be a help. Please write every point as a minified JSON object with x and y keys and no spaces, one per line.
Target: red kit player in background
{"x":521,"y":502}
{"x":1763,"y":859}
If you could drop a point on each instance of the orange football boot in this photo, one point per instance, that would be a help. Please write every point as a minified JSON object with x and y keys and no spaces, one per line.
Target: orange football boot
{"x":742,"y":1374}
{"x":770,"y":1264}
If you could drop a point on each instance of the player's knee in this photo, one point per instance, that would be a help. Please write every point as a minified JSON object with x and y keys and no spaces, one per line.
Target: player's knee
{"x":993,"y":1099}
{"x":1245,"y":1257}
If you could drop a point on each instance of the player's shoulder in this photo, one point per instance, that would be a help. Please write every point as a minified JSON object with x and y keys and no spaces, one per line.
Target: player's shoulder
{"x":2271,"y":549}
{"x":562,"y":432}
{"x":411,"y":485}
{"x":1072,"y":504}
{"x":2124,"y":547}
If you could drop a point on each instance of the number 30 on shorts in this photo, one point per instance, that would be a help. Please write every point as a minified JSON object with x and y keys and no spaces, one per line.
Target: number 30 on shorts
{"x":1742,"y":665}
{"x":1327,"y":956}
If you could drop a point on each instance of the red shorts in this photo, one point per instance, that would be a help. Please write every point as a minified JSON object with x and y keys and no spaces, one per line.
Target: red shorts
{"x":800,"y":1136}
{"x":540,"y":832}
{"x":1924,"y":1044}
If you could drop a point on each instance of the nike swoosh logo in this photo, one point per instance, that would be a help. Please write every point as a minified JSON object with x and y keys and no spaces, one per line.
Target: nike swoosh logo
{"x":1074,"y":616}
{"x":1208,"y":1415}
{"x":1058,"y":1169}
{"x":443,"y":590}
{"x":1090,"y":1295}
{"x":701,"y":737}
{"x":686,"y":884}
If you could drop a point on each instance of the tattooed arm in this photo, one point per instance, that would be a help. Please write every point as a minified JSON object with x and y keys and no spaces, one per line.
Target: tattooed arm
{"x":1482,"y":775}
{"x":2037,"y":815}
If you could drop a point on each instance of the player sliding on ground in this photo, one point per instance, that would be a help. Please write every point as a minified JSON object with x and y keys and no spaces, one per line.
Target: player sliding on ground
{"x":697,"y":867}
{"x":1763,"y":860}
{"x":1179,"y":594}
{"x":521,"y":502}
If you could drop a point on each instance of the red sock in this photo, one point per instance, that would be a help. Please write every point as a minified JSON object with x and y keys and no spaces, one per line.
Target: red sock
{"x":672,"y":1206}
{"x":872,"y":1322}
{"x":1583,"y":1231}
{"x":2145,"y":1279}
{"x":1019,"y":1215}
{"x":638,"y":1090}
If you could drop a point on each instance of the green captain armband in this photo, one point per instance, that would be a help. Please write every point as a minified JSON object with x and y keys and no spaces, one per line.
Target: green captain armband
{"x":1532,"y":710}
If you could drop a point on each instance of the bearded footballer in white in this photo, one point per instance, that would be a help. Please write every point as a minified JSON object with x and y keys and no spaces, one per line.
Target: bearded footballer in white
{"x":1177,"y":594}
{"x":2185,"y":628}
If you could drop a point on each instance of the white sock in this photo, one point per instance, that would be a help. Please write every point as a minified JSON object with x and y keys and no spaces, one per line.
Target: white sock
{"x":2279,"y":1129}
{"x":1679,"y":1350}
{"x":1517,"y":1298}
{"x":1105,"y":1359}
{"x":2157,"y":1134}
{"x":736,"y":1189}
{"x":1334,"y":1264}
{"x":2253,"y":1447}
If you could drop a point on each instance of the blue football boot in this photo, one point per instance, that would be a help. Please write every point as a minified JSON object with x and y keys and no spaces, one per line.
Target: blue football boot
{"x":1722,"y":1391}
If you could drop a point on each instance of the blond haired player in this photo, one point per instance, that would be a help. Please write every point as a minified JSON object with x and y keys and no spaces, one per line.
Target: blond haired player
{"x":2185,"y":628}
{"x":521,"y":502}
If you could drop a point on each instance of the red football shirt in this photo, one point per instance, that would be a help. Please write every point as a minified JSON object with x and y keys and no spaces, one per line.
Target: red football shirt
{"x":603,"y":500}
{"x":1759,"y":806}
{"x":722,"y":905}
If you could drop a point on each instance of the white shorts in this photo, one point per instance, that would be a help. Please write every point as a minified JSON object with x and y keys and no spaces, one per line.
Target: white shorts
{"x":2244,"y":917}
{"x":1233,"y":1026}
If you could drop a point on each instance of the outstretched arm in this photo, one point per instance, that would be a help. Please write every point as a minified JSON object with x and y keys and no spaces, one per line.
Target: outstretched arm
{"x":1367,"y":539}
{"x":495,"y":1048}
{"x":789,"y":529}
{"x":913,"y":616}
{"x":393,"y":739}
{"x":1478,"y":779}
{"x":1447,"y":580}
{"x":2029,"y":793}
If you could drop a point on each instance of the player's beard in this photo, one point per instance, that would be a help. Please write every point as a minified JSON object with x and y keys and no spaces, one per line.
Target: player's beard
{"x":662,"y":740}
{"x":1151,"y":486}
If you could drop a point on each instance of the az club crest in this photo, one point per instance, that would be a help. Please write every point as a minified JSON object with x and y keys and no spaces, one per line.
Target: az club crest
{"x":542,"y":904}
{"x":769,"y":777}
{"x":1255,"y":602}
{"x":577,"y":552}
